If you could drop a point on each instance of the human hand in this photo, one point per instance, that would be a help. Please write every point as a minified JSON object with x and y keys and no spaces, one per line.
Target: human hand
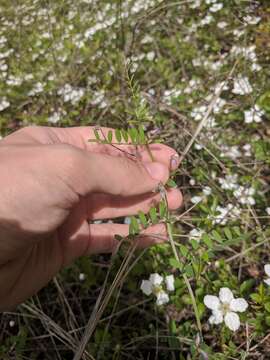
{"x":52,"y":183}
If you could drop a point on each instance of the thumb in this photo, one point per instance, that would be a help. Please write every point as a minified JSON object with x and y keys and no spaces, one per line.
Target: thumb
{"x":88,"y":172}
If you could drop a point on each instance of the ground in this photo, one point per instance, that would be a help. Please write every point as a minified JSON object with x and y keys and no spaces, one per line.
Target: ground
{"x":193,"y":74}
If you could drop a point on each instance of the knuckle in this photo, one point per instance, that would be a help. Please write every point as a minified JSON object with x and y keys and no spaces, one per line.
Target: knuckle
{"x":28,"y":130}
{"x":69,"y":160}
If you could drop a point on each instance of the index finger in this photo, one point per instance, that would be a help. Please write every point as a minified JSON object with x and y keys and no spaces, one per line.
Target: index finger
{"x":79,"y":137}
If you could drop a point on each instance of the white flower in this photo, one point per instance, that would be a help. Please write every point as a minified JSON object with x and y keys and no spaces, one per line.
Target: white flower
{"x":207,"y":191}
{"x":222,"y":24}
{"x":82,"y":276}
{"x":238,"y":33}
{"x":196,"y":199}
{"x":192,"y":182}
{"x":198,"y":146}
{"x":224,"y":308}
{"x":162,"y":298}
{"x":224,"y":213}
{"x":169,"y":280}
{"x":206,"y":20}
{"x":267,"y":210}
{"x":254,"y":114}
{"x":71,"y":94}
{"x":252,"y":20}
{"x":267,"y":271}
{"x":247,"y":149}
{"x":54,"y":118}
{"x":245,"y":195}
{"x":198,"y":113}
{"x":241,"y":86}
{"x":195,"y":4}
{"x":216,"y":7}
{"x":230,"y":151}
{"x":154,"y":286}
{"x":37,"y":89}
{"x":196,"y":234}
{"x":150,"y":56}
{"x":229,"y":182}
{"x":11,"y":323}
{"x":220,"y":86}
{"x":4,"y":104}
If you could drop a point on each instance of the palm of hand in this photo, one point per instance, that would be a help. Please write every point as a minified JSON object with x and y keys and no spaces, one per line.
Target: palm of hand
{"x":44,"y":221}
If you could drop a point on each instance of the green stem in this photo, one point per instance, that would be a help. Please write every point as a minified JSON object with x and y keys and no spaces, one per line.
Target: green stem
{"x":149,"y":152}
{"x":193,"y":300}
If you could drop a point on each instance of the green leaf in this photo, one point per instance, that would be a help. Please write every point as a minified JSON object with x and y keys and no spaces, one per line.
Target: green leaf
{"x":153,"y":215}
{"x":183,"y":250}
{"x":134,"y":227}
{"x":171,"y":183}
{"x":96,"y":133}
{"x":228,"y":233}
{"x":188,"y":270}
{"x":110,"y":136}
{"x":175,"y":264}
{"x":208,"y":242}
{"x":162,"y":209}
{"x":216,"y":236}
{"x":118,"y":135}
{"x":205,"y":256}
{"x":134,"y":135}
{"x":143,"y":219}
{"x":256,"y":298}
{"x":124,"y":135}
{"x":141,"y":134}
{"x":246,"y":285}
{"x":264,"y":101}
{"x":194,"y":244}
{"x":237,"y":230}
{"x":267,"y":320}
{"x":196,"y":267}
{"x":267,"y":306}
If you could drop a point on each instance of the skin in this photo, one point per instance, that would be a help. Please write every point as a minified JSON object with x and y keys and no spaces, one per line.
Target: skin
{"x":53,"y":184}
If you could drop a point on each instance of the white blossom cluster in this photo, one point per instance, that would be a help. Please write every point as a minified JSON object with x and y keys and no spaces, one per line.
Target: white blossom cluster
{"x":37,"y":89}
{"x":249,"y":53}
{"x":234,"y":152}
{"x":224,"y":214}
{"x":196,"y":234}
{"x":71,"y":94}
{"x":244,"y":195}
{"x":255,"y":114}
{"x":169,"y":95}
{"x":229,"y":182}
{"x":241,"y":86}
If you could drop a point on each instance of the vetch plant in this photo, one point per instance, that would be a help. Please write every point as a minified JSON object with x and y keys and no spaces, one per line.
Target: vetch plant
{"x":225,"y":307}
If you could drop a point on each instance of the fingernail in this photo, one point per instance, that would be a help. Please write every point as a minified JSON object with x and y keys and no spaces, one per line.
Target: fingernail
{"x":156,"y":170}
{"x":174,"y":162}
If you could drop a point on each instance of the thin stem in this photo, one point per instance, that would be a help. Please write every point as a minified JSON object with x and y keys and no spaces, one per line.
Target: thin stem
{"x":193,"y":300}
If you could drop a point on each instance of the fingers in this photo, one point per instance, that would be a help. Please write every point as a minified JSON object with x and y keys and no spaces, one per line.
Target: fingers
{"x":79,"y":137}
{"x":102,"y":237}
{"x":95,"y":239}
{"x":103,"y":206}
{"x":86,"y":173}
